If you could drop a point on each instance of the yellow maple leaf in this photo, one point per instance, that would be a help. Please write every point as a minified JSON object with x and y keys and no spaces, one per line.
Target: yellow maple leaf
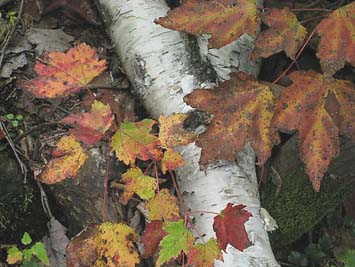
{"x":115,"y":247}
{"x":163,"y":206}
{"x":69,"y":156}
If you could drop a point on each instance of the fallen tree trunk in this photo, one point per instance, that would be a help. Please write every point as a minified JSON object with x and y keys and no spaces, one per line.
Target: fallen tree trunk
{"x":159,"y":64}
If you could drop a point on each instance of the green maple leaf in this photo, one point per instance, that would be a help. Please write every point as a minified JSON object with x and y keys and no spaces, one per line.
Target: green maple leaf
{"x":178,"y":239}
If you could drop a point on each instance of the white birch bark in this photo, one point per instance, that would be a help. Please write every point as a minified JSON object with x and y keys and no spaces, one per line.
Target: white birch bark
{"x":157,"y":61}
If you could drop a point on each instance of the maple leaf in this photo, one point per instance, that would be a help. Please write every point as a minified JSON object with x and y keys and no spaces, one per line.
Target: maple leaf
{"x":81,"y":250}
{"x":229,"y":227}
{"x":242,"y":111}
{"x":178,"y":239}
{"x":318,"y":107}
{"x":14,"y":255}
{"x":61,"y":74}
{"x":133,"y":140}
{"x":225,"y":20}
{"x":151,"y":237}
{"x":136,"y":182}
{"x":163,"y":206}
{"x":115,"y":246}
{"x":337,"y":43}
{"x":203,"y":255}
{"x":285,"y":34}
{"x":91,"y":126}
{"x":171,"y":161}
{"x":69,"y":156}
{"x":172,"y":133}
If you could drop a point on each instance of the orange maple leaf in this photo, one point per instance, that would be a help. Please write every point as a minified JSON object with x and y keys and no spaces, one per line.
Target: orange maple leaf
{"x":285,"y":34}
{"x":134,"y":140}
{"x":337,"y":43}
{"x":318,"y":107}
{"x":163,"y":206}
{"x":69,"y":156}
{"x":91,"y":126}
{"x":61,"y":74}
{"x":171,"y":160}
{"x":172,"y":133}
{"x":225,"y":20}
{"x":242,"y":110}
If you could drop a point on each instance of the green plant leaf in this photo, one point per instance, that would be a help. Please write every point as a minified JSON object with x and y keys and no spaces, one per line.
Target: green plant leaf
{"x":39,"y":250}
{"x":178,"y":239}
{"x":14,"y":255}
{"x":349,"y":258}
{"x":19,"y":117}
{"x":14,"y":123}
{"x":10,"y":116}
{"x":26,"y":239}
{"x":27,"y":254}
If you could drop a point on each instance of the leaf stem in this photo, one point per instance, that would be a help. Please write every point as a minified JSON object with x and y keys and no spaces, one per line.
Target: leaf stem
{"x":182,"y":203}
{"x":297,"y":56}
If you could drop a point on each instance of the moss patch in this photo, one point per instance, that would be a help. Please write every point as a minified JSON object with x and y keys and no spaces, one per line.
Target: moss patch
{"x":297,"y":208}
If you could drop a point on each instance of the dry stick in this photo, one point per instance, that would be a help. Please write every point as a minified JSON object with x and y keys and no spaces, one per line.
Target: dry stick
{"x":311,"y":19}
{"x":315,"y":3}
{"x":9,"y":140}
{"x":297,"y":56}
{"x":35,"y":128}
{"x":44,"y":201}
{"x":11,"y":33}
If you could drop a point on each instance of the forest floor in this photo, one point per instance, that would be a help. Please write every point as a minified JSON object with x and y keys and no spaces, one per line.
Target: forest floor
{"x":31,"y":123}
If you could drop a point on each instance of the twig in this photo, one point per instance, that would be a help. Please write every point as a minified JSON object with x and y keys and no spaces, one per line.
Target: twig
{"x":35,"y":128}
{"x":44,"y":201}
{"x":9,"y":140}
{"x":11,"y":33}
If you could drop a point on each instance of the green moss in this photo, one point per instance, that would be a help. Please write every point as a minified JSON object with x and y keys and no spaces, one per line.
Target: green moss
{"x":298,"y":208}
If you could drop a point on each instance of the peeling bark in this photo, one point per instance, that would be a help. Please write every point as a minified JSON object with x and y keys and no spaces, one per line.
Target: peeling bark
{"x":162,"y":72}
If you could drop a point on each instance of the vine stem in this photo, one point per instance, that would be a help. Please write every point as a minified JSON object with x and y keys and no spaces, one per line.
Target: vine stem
{"x":297,"y":56}
{"x":182,"y":203}
{"x":156,"y":176}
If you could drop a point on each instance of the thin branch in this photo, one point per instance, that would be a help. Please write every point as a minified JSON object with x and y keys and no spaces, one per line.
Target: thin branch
{"x":12,"y":145}
{"x":11,"y":33}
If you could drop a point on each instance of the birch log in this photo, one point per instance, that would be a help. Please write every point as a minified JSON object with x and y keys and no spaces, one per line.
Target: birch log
{"x":158,"y":63}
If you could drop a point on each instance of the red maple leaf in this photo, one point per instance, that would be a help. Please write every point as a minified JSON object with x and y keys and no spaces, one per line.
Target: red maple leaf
{"x":229,"y":227}
{"x":151,"y":237}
